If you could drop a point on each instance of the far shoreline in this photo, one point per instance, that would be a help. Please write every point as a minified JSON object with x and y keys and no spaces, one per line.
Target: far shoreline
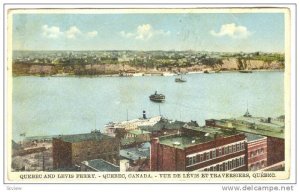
{"x":148,"y":74}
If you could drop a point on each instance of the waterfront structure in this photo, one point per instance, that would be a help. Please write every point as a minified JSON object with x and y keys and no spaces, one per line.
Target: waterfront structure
{"x":271,"y":128}
{"x":98,"y":165}
{"x":138,"y":135}
{"x":257,"y":151}
{"x":200,"y":149}
{"x":113,"y":127}
{"x":70,"y":150}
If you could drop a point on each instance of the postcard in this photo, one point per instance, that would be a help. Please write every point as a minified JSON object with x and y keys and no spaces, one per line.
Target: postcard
{"x":156,"y":95}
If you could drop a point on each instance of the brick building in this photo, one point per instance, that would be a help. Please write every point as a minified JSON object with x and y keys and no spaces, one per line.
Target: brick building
{"x":257,"y":151}
{"x":199,"y":149}
{"x":272,"y":129}
{"x":70,"y":150}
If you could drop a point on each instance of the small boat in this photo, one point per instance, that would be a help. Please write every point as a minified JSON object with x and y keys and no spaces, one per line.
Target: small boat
{"x":180,"y":80}
{"x":205,"y":71}
{"x":157,"y":97}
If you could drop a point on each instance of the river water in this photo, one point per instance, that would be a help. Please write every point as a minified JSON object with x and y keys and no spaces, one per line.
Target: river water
{"x":67,"y":105}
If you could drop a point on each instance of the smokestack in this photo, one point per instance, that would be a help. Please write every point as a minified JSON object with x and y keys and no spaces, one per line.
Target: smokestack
{"x":144,"y":115}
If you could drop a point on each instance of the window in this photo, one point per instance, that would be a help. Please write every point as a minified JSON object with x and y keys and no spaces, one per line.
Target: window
{"x":233,"y":148}
{"x":215,"y":168}
{"x":238,"y":146}
{"x":220,"y":151}
{"x":230,"y":149}
{"x":226,"y":166}
{"x":238,"y":162}
{"x":233,"y":163}
{"x":190,"y":161}
{"x":201,"y":157}
{"x":242,"y":160}
{"x":242,"y":146}
{"x":229,"y":165}
{"x":205,"y":169}
{"x":262,"y":150}
{"x":221,"y":168}
{"x":213,"y":154}
{"x":193,"y":159}
{"x":211,"y":169}
{"x":226,"y":150}
{"x":198,"y":158}
{"x":207,"y":155}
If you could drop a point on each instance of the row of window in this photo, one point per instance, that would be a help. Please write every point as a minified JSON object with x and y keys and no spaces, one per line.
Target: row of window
{"x":197,"y":158}
{"x":257,"y":165}
{"x":228,"y":165}
{"x":257,"y":152}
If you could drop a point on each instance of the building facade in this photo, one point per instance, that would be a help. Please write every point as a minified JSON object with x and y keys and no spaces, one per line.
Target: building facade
{"x":199,"y":149}
{"x":257,"y":151}
{"x":272,"y":129}
{"x":70,"y":150}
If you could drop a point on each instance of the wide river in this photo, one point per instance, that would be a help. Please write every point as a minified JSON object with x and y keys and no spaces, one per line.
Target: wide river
{"x":67,"y":105}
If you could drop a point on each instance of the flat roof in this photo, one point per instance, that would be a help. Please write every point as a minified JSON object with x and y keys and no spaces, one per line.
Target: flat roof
{"x":253,"y":137}
{"x":83,"y":137}
{"x":206,"y":134}
{"x":257,"y":126}
{"x":101,"y":165}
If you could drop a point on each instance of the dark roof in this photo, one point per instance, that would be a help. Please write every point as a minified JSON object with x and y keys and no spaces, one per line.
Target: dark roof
{"x":167,"y":124}
{"x":135,"y":153}
{"x":83,"y":137}
{"x":101,"y":165}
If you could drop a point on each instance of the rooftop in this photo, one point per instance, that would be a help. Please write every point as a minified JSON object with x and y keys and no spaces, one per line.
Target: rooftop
{"x":96,"y":136}
{"x":167,"y":124}
{"x":253,"y":137}
{"x":138,"y":132}
{"x":258,"y":125}
{"x":101,"y":165}
{"x":206,"y":134}
{"x":135,"y":153}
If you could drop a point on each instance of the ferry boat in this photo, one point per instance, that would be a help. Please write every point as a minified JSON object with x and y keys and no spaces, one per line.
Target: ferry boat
{"x":157,"y":97}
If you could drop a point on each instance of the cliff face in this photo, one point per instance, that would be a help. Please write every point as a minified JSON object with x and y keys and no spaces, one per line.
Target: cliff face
{"x":98,"y":69}
{"x":233,"y":64}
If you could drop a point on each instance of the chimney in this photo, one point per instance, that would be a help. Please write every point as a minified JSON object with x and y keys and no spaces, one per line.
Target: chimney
{"x":269,"y":119}
{"x":144,"y":115}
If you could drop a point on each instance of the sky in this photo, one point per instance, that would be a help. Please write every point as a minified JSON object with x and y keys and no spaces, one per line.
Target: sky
{"x":225,"y":32}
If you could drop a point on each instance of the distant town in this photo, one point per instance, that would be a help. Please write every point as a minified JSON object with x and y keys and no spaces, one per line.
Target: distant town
{"x":245,"y":143}
{"x":139,"y":63}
